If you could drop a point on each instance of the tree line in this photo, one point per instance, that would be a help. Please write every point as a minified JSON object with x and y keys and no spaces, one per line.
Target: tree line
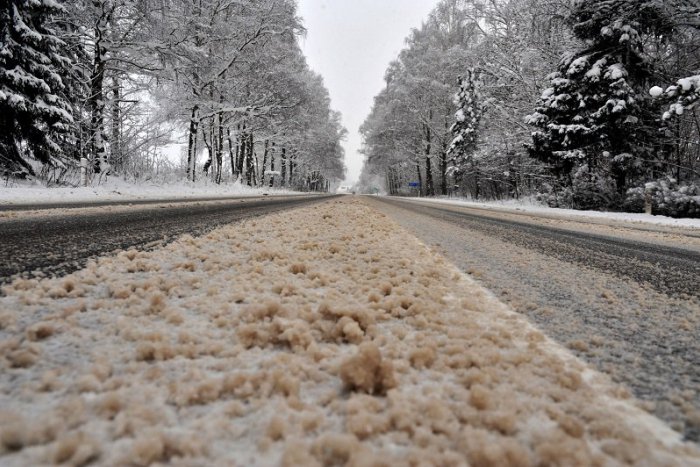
{"x":585,"y":104}
{"x":111,"y":81}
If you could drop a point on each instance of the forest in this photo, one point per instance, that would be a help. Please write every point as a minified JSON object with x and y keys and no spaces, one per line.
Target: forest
{"x":584,"y":104}
{"x":114,"y":82}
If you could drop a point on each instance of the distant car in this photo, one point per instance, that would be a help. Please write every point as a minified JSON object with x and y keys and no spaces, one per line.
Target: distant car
{"x":344,"y":190}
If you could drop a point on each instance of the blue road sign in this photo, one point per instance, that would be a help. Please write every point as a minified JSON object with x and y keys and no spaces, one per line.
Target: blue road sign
{"x":414,"y":184}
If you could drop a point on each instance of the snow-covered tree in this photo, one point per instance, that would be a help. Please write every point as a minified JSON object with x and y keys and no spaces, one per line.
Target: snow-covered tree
{"x":465,"y":130}
{"x":513,"y":44}
{"x":34,"y":112}
{"x":674,"y":185}
{"x":686,"y":93}
{"x":229,"y":74}
{"x":596,"y":123}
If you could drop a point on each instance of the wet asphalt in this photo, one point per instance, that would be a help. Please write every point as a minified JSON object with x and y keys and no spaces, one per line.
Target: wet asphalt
{"x":673,"y":271}
{"x":55,"y":245}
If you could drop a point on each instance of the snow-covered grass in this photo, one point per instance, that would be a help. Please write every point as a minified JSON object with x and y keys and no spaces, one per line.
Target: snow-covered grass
{"x":531,"y":206}
{"x":299,"y":338}
{"x":116,"y":189}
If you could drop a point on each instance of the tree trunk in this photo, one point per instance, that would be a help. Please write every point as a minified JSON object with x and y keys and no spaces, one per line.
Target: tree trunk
{"x":249,"y":168}
{"x":620,"y":175}
{"x":232,"y":155}
{"x":477,"y":179}
{"x":420,"y":179}
{"x":96,"y":105}
{"x":192,"y":144}
{"x":292,"y":159}
{"x":116,"y":142}
{"x":443,"y":170}
{"x":283,"y":167}
{"x":220,"y":144}
{"x":272,"y":164}
{"x":391,"y":178}
{"x":208,"y":142}
{"x":256,"y":169}
{"x":264,"y":162}
{"x":397,"y":181}
{"x":429,"y":189}
{"x":241,"y":154}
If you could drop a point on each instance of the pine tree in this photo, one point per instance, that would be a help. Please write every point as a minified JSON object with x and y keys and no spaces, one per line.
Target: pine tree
{"x":686,"y":92}
{"x":596,"y":123}
{"x":33,"y":112}
{"x":465,"y":130}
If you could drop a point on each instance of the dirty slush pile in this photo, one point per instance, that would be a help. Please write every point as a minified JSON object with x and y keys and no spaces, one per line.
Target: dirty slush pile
{"x":319,"y":336}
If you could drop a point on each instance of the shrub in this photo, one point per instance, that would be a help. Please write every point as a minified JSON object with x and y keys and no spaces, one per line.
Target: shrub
{"x":669,"y":198}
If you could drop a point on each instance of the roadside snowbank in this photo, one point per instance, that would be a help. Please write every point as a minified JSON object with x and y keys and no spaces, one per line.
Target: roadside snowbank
{"x":319,"y":336}
{"x":531,"y":207}
{"x":116,"y":189}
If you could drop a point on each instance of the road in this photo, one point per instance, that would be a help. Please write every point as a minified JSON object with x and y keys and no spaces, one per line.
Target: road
{"x":59,"y":242}
{"x":127,"y":202}
{"x":625,"y":299}
{"x":323,"y":335}
{"x":670,"y":270}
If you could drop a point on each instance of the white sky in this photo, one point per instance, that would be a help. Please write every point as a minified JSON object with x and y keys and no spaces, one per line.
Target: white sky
{"x":350,"y":43}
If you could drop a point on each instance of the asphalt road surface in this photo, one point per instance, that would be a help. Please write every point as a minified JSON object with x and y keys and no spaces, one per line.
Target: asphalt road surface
{"x":625,"y":299}
{"x":131,"y":202}
{"x":64,"y":240}
{"x":670,"y":270}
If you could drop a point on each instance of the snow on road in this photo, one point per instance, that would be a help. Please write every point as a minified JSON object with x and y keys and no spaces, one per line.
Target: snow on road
{"x":318,"y":336}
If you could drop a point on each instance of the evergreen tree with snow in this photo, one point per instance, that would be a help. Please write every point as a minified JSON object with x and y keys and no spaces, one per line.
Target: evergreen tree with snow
{"x":34,"y":113}
{"x":597,"y":126}
{"x":465,"y":130}
{"x":686,"y":93}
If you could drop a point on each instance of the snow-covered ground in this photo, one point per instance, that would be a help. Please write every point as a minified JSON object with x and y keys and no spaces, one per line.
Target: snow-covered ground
{"x":532,"y":207}
{"x":116,"y":189}
{"x":299,"y":338}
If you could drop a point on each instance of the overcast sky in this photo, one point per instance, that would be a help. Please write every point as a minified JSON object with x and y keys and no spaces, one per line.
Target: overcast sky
{"x":350,"y":43}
